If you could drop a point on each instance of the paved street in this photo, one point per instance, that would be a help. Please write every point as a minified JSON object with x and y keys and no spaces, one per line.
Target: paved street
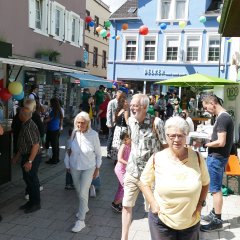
{"x":57,"y":216}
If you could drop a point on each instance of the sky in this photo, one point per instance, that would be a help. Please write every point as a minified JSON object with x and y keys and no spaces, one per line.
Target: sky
{"x":114,"y":4}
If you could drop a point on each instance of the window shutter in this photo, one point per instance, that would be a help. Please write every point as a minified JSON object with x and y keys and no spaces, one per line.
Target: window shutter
{"x":62,"y":24}
{"x":45,"y":16}
{"x":67,"y":26}
{"x":49,"y":17}
{"x":81,"y":31}
{"x":52,"y":19}
{"x":31,"y":13}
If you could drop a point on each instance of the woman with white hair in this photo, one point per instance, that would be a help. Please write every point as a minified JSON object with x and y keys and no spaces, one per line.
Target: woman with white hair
{"x":85,"y":159}
{"x":181,"y":185}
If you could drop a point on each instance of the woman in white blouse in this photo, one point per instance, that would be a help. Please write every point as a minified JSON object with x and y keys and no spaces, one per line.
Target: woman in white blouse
{"x":84,"y":161}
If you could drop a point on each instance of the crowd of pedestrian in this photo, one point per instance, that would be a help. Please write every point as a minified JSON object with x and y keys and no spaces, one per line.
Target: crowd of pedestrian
{"x":149,"y":146}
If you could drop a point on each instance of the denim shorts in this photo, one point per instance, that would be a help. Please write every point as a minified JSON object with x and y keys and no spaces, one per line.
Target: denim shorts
{"x":216,"y":167}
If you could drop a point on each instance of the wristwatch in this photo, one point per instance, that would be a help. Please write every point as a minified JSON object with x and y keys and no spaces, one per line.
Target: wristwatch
{"x":203,"y":203}
{"x":30,"y":161}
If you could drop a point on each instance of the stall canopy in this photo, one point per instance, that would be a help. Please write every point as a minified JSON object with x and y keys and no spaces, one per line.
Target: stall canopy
{"x":88,"y":80}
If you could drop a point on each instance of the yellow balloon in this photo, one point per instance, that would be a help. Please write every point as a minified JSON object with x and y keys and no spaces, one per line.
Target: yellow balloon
{"x":182,"y":24}
{"x":15,"y":88}
{"x":98,"y":29}
{"x":219,"y":19}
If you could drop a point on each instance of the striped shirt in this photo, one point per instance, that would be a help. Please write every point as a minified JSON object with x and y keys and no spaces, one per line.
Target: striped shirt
{"x":28,"y":136}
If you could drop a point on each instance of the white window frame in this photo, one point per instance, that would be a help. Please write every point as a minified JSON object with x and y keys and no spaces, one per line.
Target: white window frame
{"x":172,"y":12}
{"x":32,"y":16}
{"x":56,"y":6}
{"x":126,"y":38}
{"x":171,"y":37}
{"x":69,"y":16}
{"x":214,"y":36}
{"x":149,"y":38}
{"x":194,"y":37}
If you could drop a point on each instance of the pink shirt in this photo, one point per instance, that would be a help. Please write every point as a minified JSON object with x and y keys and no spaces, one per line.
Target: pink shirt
{"x":126,"y":153}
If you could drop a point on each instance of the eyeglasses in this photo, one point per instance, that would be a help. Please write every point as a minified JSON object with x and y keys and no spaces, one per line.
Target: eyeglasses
{"x":173,"y":136}
{"x":135,"y":105}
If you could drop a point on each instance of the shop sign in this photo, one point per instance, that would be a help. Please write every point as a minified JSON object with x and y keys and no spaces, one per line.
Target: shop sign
{"x":232,"y":93}
{"x":160,"y":72}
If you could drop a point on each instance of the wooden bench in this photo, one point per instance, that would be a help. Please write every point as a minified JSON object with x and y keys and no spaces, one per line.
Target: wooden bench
{"x":233,"y":169}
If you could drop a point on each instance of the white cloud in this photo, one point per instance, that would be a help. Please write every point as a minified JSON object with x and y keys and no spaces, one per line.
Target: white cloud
{"x":114,"y":4}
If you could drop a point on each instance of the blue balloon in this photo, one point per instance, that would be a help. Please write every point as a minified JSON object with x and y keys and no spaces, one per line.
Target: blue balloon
{"x":113,"y":37}
{"x":228,"y":38}
{"x":163,"y":26}
{"x":91,"y":24}
{"x":19,"y":96}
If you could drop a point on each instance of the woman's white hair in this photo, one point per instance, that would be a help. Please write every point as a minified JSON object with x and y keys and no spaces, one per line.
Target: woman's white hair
{"x":83,"y":115}
{"x":143,"y":99}
{"x":177,"y":122}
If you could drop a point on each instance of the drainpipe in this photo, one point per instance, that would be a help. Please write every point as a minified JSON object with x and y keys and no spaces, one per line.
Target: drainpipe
{"x":115,"y":52}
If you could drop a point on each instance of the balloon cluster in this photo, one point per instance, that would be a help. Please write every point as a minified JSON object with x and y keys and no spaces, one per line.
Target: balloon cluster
{"x":15,"y":90}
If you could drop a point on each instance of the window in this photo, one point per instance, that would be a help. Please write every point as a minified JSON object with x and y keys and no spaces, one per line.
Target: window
{"x":131,"y":49}
{"x":86,"y":53}
{"x":38,"y":15}
{"x":172,"y":49}
{"x":172,"y":10}
{"x":150,"y":50}
{"x":96,"y":19}
{"x":95,"y":56}
{"x":104,"y":59}
{"x":57,"y":25}
{"x":87,"y":24}
{"x":193,"y":49}
{"x":213,"y":49}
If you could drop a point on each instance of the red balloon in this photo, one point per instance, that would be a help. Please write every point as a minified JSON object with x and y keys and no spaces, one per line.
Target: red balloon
{"x":5,"y":95}
{"x":88,"y":19}
{"x":143,"y":30}
{"x":108,"y":34}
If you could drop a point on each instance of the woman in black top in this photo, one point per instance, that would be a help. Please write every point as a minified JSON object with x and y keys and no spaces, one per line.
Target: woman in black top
{"x":120,"y":119}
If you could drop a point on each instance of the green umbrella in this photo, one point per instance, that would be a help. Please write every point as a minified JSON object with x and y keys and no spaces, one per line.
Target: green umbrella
{"x":197,"y":81}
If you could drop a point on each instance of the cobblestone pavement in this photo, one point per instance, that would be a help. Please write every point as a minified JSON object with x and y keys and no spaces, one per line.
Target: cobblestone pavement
{"x":57,"y":216}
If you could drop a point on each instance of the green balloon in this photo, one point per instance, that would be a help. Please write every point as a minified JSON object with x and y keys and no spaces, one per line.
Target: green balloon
{"x":103,"y":33}
{"x":107,"y":24}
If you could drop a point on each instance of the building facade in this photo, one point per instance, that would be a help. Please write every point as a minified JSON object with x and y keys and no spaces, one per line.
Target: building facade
{"x":96,"y":46}
{"x":188,"y":45}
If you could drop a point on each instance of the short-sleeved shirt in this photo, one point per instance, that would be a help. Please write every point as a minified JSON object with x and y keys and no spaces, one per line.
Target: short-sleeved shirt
{"x":146,"y":140}
{"x":224,"y":123}
{"x":28,"y":136}
{"x":99,"y":95}
{"x":178,"y":187}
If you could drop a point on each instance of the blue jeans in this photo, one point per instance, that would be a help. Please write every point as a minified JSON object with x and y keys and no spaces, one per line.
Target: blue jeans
{"x":82,"y":181}
{"x":216,"y":167}
{"x":160,"y":231}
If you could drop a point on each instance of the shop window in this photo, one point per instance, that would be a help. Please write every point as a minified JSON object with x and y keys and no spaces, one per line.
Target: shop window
{"x":150,"y":50}
{"x":38,"y":12}
{"x":172,"y":49}
{"x":131,"y":49}
{"x":104,"y":59}
{"x":214,"y":49}
{"x":95,"y":56}
{"x":172,"y":10}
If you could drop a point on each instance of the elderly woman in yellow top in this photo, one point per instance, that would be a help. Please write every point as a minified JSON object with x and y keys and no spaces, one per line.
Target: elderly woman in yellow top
{"x":181,"y":185}
{"x":84,"y":163}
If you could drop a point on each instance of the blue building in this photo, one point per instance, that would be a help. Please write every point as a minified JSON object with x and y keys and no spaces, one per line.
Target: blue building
{"x":141,"y":60}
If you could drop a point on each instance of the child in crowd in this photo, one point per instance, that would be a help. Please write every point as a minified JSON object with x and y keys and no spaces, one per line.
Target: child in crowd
{"x":120,"y":169}
{"x":69,"y":182}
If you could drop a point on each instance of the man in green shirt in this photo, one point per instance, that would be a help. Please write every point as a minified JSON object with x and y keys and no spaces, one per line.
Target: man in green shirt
{"x":99,"y":94}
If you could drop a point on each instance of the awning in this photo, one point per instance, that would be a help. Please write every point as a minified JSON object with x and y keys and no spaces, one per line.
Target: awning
{"x":39,"y":65}
{"x":88,"y":80}
{"x":230,"y":17}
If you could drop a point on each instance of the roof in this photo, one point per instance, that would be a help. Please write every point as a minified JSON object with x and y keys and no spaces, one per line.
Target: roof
{"x":230,"y":17}
{"x":128,"y":10}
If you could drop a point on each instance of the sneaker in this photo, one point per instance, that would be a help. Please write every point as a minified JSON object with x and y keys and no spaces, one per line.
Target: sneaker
{"x":69,"y":187}
{"x":209,"y":217}
{"x":79,"y":225}
{"x":27,"y":196}
{"x":109,"y":156}
{"x":32,"y":208}
{"x":41,"y":188}
{"x":117,"y":207}
{"x":25,"y":206}
{"x":214,"y":225}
